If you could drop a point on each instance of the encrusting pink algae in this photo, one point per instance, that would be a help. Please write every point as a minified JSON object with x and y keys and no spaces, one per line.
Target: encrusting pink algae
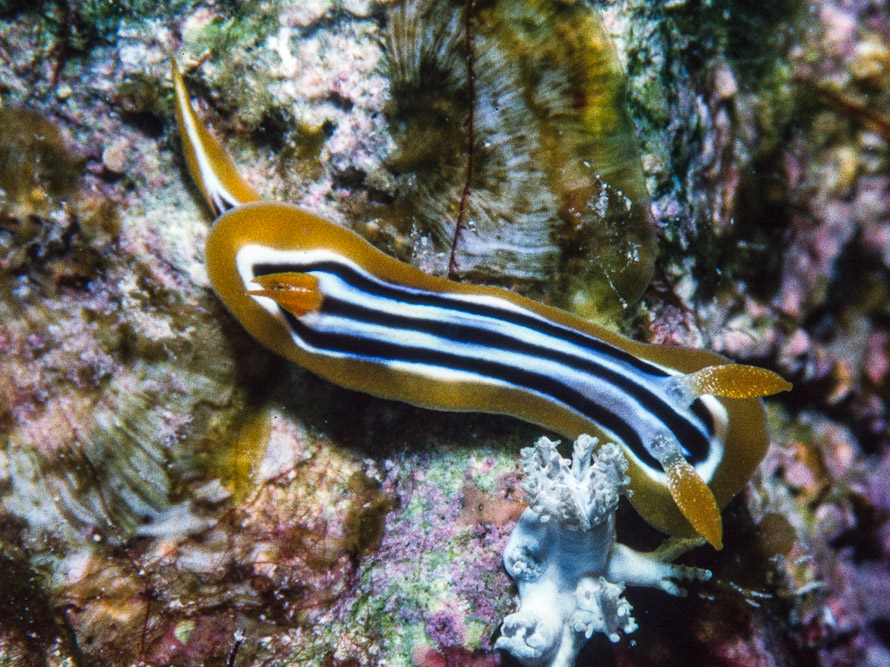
{"x":172,"y":494}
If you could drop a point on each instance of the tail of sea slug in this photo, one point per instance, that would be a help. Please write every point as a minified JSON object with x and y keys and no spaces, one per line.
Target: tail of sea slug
{"x":211,"y":168}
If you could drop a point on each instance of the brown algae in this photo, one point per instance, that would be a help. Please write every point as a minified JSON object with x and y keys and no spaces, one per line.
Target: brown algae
{"x":514,"y":149}
{"x":37,"y":170}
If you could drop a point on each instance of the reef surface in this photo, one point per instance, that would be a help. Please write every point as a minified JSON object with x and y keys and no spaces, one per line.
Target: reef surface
{"x":170,"y":493}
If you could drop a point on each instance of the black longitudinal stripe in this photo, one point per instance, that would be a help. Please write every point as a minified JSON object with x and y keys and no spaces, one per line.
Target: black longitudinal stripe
{"x":695,"y":441}
{"x":691,"y":438}
{"x":375,"y":350}
{"x":700,"y":410}
{"x":415,"y":297}
{"x":222,"y":203}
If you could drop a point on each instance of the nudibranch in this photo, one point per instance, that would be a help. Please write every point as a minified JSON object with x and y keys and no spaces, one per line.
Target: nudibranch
{"x":690,"y":422}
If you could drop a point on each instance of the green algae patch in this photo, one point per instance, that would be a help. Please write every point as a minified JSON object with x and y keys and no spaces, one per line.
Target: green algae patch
{"x":234,"y":446}
{"x":37,"y":169}
{"x":232,"y":39}
{"x":101,"y":20}
{"x":365,"y":522}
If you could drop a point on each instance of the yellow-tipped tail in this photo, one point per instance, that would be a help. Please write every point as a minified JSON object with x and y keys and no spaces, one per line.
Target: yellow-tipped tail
{"x":297,"y":293}
{"x":732,"y":381}
{"x":693,"y":497}
{"x":211,"y":168}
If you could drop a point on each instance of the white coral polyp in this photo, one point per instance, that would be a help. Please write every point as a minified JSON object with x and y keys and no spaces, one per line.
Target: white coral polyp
{"x":562,"y":554}
{"x":577,"y":495}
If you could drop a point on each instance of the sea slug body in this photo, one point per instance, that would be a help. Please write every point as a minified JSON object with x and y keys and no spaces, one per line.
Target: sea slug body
{"x":689,"y":421}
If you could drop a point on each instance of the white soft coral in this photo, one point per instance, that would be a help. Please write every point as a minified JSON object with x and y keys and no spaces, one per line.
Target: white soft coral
{"x":577,"y":496}
{"x":563,"y":556}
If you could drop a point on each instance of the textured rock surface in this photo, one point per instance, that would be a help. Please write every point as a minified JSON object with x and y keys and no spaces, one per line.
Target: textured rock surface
{"x":172,"y":494}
